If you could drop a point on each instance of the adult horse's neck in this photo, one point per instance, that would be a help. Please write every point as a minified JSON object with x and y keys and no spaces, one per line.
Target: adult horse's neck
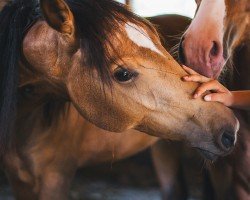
{"x":241,"y":71}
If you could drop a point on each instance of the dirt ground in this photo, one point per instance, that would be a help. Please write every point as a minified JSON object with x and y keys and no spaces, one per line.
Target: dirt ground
{"x":132,"y":179}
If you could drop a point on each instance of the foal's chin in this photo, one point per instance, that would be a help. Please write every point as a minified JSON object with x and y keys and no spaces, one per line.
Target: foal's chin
{"x":208,"y":155}
{"x":213,"y":153}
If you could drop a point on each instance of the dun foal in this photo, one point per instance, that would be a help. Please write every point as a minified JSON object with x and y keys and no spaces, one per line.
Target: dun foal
{"x":73,"y":70}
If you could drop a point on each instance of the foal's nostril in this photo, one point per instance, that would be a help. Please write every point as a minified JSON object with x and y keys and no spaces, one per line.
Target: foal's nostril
{"x":227,"y":140}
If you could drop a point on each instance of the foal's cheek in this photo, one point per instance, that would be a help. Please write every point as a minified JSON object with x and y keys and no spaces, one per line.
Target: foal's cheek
{"x":107,"y":107}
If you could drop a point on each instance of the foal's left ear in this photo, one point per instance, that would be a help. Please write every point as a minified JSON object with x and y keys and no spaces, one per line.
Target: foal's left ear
{"x":58,"y":15}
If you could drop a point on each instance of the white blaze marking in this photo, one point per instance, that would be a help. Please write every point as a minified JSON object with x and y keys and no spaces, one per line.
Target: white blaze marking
{"x":140,"y":37}
{"x":215,"y":9}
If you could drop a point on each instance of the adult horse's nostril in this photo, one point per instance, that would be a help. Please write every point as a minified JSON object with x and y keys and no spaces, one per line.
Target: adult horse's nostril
{"x":215,"y":50}
{"x":216,"y":58}
{"x":227,"y":140}
{"x":181,"y":51}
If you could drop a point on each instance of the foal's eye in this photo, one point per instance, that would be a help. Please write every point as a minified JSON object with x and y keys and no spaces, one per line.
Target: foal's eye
{"x":122,"y":74}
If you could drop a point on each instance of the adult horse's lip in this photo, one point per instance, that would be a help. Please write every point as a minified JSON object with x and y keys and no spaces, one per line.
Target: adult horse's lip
{"x":208,"y":154}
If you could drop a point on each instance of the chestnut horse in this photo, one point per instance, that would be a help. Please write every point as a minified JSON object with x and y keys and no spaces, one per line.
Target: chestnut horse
{"x":71,"y":71}
{"x":217,"y":41}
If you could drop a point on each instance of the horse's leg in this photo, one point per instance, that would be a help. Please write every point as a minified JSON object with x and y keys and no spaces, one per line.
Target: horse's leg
{"x":42,"y":179}
{"x":231,"y":177}
{"x":21,"y":180}
{"x":166,"y":158}
{"x":192,"y":167}
{"x":55,"y":185}
{"x":21,"y":190}
{"x":241,"y":164}
{"x":242,"y":193}
{"x":50,"y":186}
{"x":221,"y":177}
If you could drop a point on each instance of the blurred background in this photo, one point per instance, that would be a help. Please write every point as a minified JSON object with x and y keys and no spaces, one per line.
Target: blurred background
{"x":133,"y":178}
{"x":149,"y":8}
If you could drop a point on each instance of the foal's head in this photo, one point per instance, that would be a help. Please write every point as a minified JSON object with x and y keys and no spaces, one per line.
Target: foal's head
{"x":111,"y":65}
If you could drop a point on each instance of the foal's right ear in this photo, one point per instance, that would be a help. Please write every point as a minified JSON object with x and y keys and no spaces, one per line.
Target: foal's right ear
{"x":58,"y":15}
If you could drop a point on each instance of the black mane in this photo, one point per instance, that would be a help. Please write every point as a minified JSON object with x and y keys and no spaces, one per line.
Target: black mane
{"x":95,"y":20}
{"x":15,"y":18}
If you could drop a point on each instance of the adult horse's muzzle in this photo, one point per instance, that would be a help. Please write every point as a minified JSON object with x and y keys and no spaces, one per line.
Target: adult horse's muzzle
{"x":207,"y":60}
